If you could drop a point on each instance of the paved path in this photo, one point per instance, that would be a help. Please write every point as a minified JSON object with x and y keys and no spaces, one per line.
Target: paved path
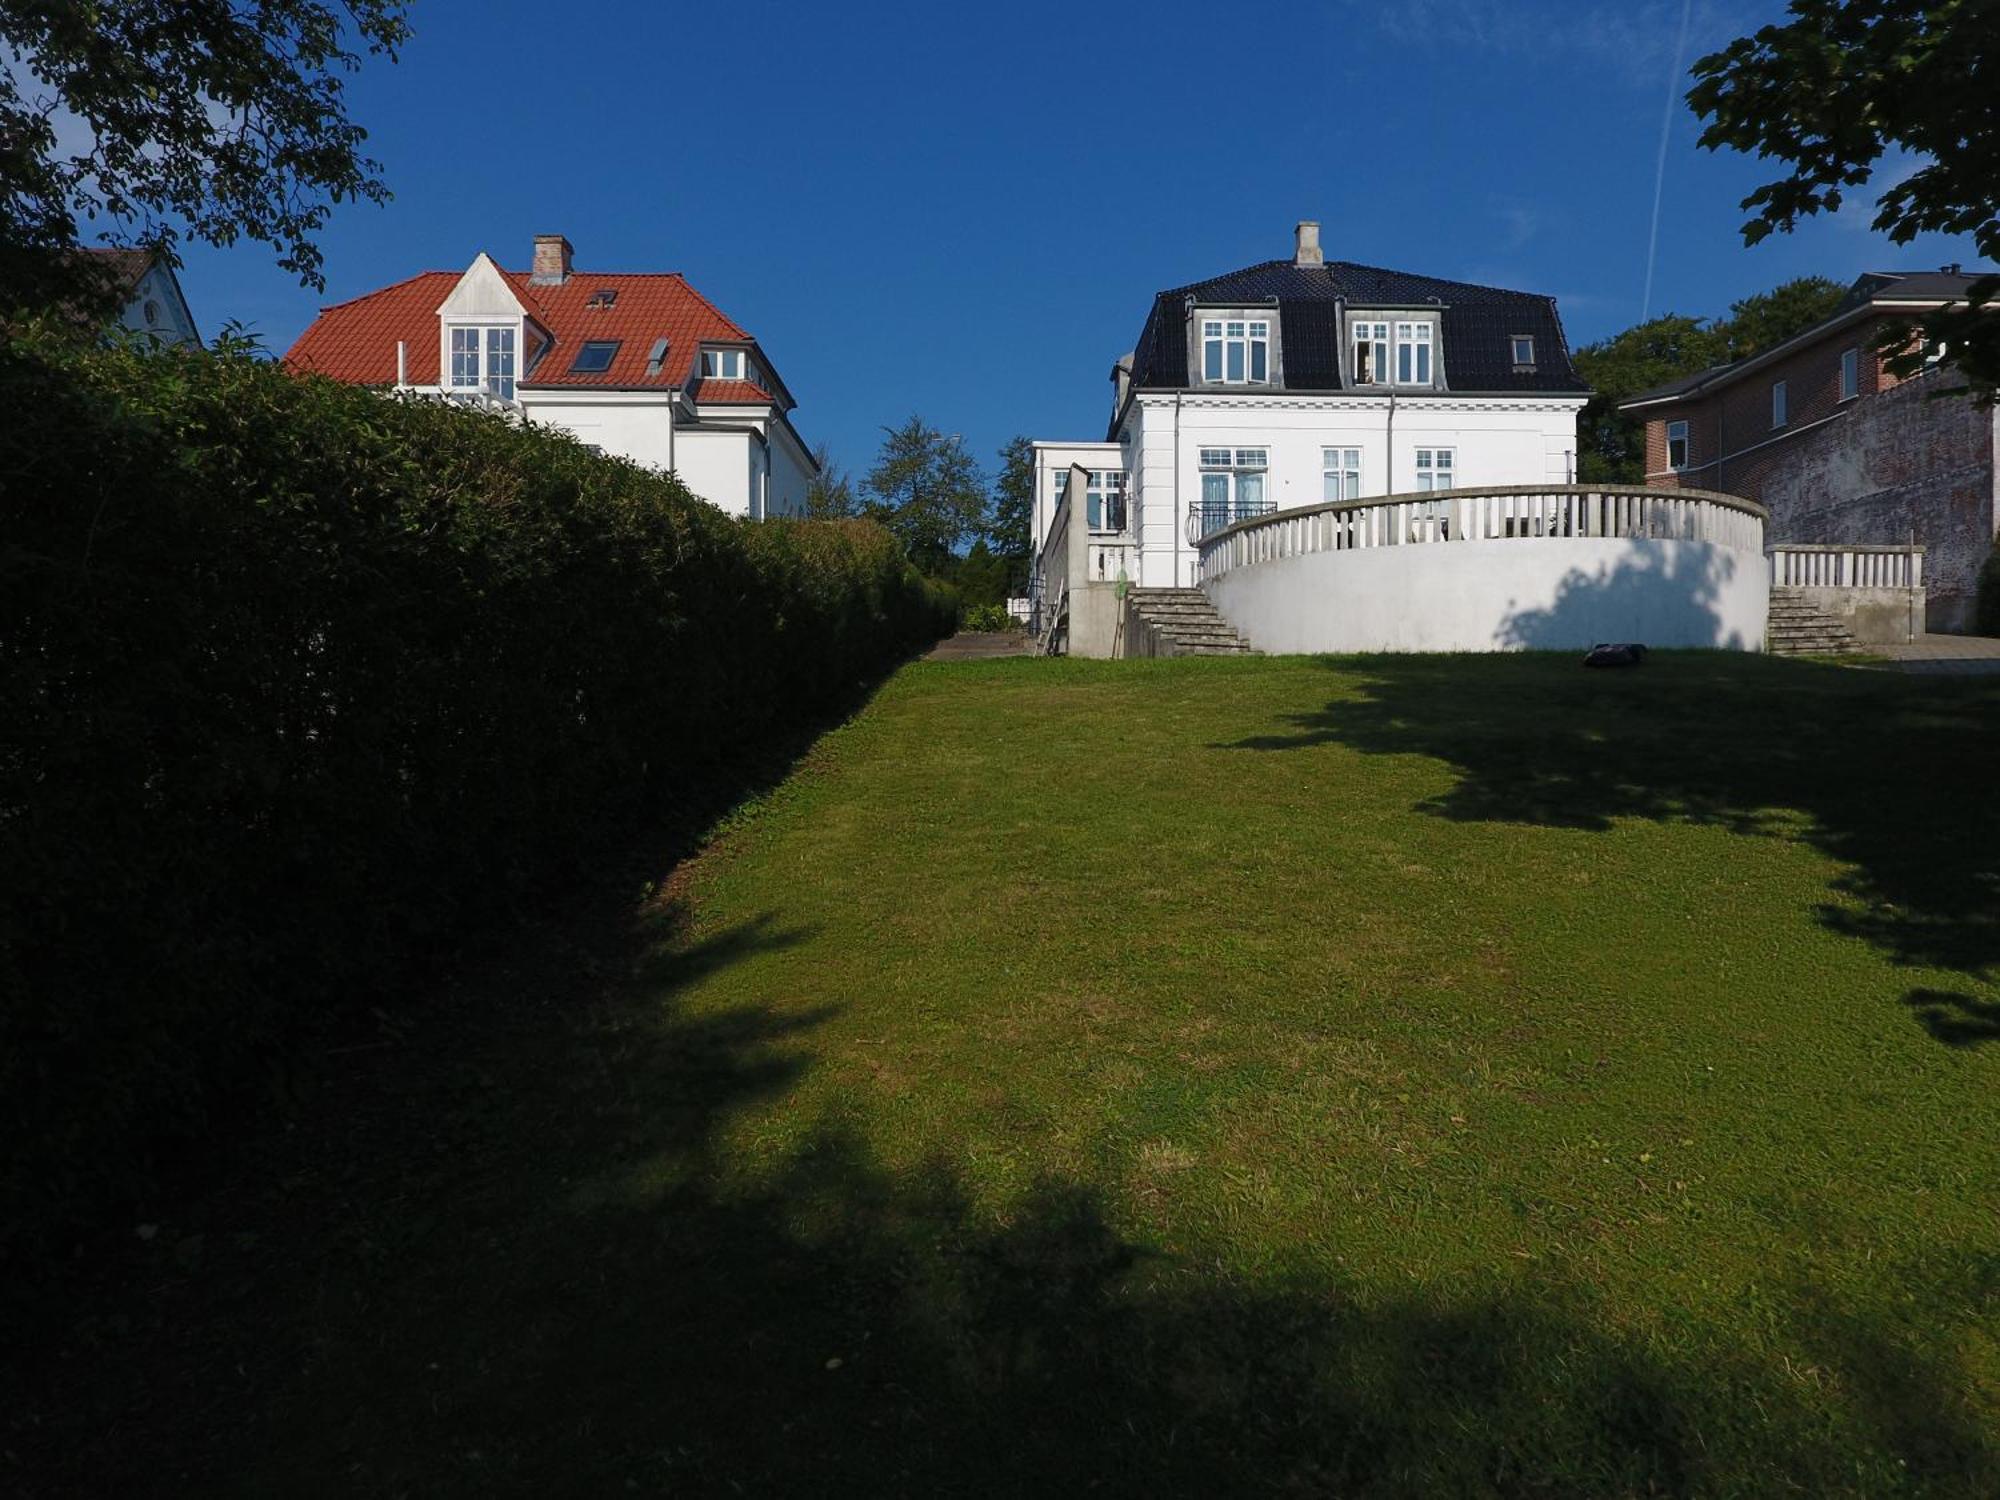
{"x":1945,"y":655}
{"x":977,"y":645}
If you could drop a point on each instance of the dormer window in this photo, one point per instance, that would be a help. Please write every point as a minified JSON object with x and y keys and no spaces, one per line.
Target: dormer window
{"x":722,"y":364}
{"x":1524,"y":353}
{"x":482,"y":359}
{"x":1371,"y":353}
{"x":1413,"y":353}
{"x":1236,"y":351}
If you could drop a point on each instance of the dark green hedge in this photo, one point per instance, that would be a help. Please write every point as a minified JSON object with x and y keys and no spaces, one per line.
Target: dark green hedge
{"x":298,"y":684}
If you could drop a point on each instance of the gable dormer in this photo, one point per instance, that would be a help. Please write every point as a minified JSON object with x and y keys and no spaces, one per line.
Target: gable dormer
{"x":484,"y":334}
{"x":1234,"y":347}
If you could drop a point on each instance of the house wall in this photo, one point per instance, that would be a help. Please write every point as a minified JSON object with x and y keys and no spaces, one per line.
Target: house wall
{"x":157,"y":308}
{"x":1731,"y":442}
{"x":791,"y":473}
{"x":714,"y":462}
{"x":1052,"y":462}
{"x":640,"y":428}
{"x":1495,"y":441}
{"x":1892,"y":470}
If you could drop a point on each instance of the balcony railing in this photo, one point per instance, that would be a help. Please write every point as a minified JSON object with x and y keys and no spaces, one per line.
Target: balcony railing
{"x":1801,"y":566}
{"x":1206,"y":517}
{"x":1511,"y":512}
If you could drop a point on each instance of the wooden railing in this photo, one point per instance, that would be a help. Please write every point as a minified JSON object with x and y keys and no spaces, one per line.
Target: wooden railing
{"x":1802,"y":566}
{"x":1506,"y":513}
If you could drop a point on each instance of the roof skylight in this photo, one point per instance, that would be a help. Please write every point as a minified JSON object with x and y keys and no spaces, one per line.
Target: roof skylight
{"x":595,"y":357}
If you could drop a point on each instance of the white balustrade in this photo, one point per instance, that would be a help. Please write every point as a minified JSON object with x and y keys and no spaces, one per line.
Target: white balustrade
{"x":1803,"y":566}
{"x":1520,"y":513}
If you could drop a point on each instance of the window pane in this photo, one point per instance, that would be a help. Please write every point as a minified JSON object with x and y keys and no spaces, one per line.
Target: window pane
{"x":1259,"y":357}
{"x":1249,"y":490}
{"x":1215,"y":489}
{"x":1215,"y":458}
{"x":1403,"y":363}
{"x":1211,"y":360}
{"x":1251,"y":458}
{"x":1094,"y":509}
{"x":1235,"y":361}
{"x":1423,"y":364}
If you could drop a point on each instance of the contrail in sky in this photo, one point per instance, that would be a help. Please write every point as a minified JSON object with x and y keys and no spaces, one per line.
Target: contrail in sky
{"x":1660,"y":169}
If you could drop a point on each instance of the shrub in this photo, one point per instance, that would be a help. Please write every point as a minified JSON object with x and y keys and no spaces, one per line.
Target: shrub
{"x":989,"y":617}
{"x":300,"y":683}
{"x":1986,"y":608}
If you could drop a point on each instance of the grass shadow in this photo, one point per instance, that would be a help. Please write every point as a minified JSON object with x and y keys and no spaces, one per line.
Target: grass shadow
{"x":1890,"y":777}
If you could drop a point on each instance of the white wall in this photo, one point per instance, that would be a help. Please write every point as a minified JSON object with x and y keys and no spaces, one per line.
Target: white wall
{"x":1519,"y":593}
{"x":714,"y":462}
{"x":157,"y":309}
{"x":629,"y":425}
{"x":791,"y":473}
{"x":1053,"y":459}
{"x":1496,"y":441}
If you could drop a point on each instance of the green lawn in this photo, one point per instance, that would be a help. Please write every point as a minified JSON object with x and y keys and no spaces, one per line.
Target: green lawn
{"x":1392,"y":1076}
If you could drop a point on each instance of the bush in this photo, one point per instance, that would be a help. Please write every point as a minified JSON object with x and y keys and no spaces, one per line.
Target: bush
{"x":301,"y":683}
{"x":989,"y":617}
{"x":1986,"y":607}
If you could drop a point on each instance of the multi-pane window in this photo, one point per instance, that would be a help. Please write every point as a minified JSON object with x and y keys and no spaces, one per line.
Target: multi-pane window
{"x":482,"y":359}
{"x":1340,"y":473}
{"x":1103,"y":496}
{"x":1778,"y":403}
{"x":1413,"y":353}
{"x":500,"y":363}
{"x":1677,"y":445}
{"x":722,"y":364}
{"x":1434,"y":468}
{"x":1371,"y":353}
{"x":1232,"y":485}
{"x":1850,"y":374}
{"x":1236,"y":351}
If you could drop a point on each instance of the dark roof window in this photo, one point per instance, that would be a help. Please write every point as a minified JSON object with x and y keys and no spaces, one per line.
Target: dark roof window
{"x":603,"y":297}
{"x":595,"y":357}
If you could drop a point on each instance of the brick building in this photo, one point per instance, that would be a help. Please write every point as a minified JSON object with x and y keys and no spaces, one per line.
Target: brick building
{"x":1839,"y":450}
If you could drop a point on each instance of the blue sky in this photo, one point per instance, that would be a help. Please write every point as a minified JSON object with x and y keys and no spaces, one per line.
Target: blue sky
{"x":964,"y":211}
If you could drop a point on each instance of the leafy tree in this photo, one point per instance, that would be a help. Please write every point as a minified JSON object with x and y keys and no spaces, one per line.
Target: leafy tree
{"x":981,"y":576}
{"x":1012,"y":529}
{"x":927,"y":490}
{"x":830,"y":496}
{"x":1766,"y":319}
{"x":1611,"y":447}
{"x":219,"y":118}
{"x":1841,"y":84}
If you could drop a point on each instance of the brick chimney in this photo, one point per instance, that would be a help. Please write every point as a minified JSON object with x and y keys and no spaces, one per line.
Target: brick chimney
{"x":1307,"y":252}
{"x":552,"y":255}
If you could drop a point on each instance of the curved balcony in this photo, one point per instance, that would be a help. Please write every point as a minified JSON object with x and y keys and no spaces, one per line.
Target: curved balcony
{"x":1552,"y":567}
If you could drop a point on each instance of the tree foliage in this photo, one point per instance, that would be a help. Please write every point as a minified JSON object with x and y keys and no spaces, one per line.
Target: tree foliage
{"x":216,"y":119}
{"x":830,"y":496}
{"x":1012,"y":527}
{"x":1842,"y":84}
{"x":926,"y":489}
{"x":1611,"y":447}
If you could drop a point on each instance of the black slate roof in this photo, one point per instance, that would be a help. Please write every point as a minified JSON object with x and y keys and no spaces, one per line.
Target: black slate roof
{"x":1477,"y":324}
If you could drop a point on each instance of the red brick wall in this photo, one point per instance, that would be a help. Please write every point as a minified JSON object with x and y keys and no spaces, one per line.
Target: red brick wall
{"x":1733,"y":425}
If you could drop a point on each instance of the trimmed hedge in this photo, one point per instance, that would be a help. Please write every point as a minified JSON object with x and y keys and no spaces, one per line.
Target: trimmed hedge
{"x":298,"y":684}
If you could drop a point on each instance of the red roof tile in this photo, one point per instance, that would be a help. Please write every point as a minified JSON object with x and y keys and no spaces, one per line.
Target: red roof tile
{"x":356,"y":340}
{"x":731,"y":392}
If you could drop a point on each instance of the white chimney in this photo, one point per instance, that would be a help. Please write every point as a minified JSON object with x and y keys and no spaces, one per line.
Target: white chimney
{"x":552,"y":255}
{"x":1307,"y":251}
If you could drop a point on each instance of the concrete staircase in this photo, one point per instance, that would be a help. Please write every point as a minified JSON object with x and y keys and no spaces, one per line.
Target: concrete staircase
{"x":1180,"y":622}
{"x":1798,"y":627}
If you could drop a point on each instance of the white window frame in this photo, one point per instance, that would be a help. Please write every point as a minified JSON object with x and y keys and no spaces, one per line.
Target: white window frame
{"x":1374,"y":334}
{"x":489,"y":366}
{"x":1416,"y":351}
{"x":1244,"y":477}
{"x":1244,"y":335}
{"x":1339,"y":474}
{"x":1104,"y":493}
{"x":1519,"y":341}
{"x":724,"y":364}
{"x":1434,"y":464}
{"x":1780,"y":405}
{"x":1677,"y":433}
{"x":1850,"y":374}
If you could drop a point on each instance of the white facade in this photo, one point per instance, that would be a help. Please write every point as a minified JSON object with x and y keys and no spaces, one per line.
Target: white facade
{"x":741,"y":456}
{"x":1381,"y":438}
{"x":157,"y":308}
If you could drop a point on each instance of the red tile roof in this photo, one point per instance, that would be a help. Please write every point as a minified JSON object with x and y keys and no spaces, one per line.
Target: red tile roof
{"x":732,"y":392}
{"x":356,"y":341}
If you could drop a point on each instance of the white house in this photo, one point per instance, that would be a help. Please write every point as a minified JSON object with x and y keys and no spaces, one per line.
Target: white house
{"x":636,"y":364}
{"x":151,"y":302}
{"x":1299,"y":381}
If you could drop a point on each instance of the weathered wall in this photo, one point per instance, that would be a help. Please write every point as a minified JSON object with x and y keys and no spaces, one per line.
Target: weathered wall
{"x":1898,"y":468}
